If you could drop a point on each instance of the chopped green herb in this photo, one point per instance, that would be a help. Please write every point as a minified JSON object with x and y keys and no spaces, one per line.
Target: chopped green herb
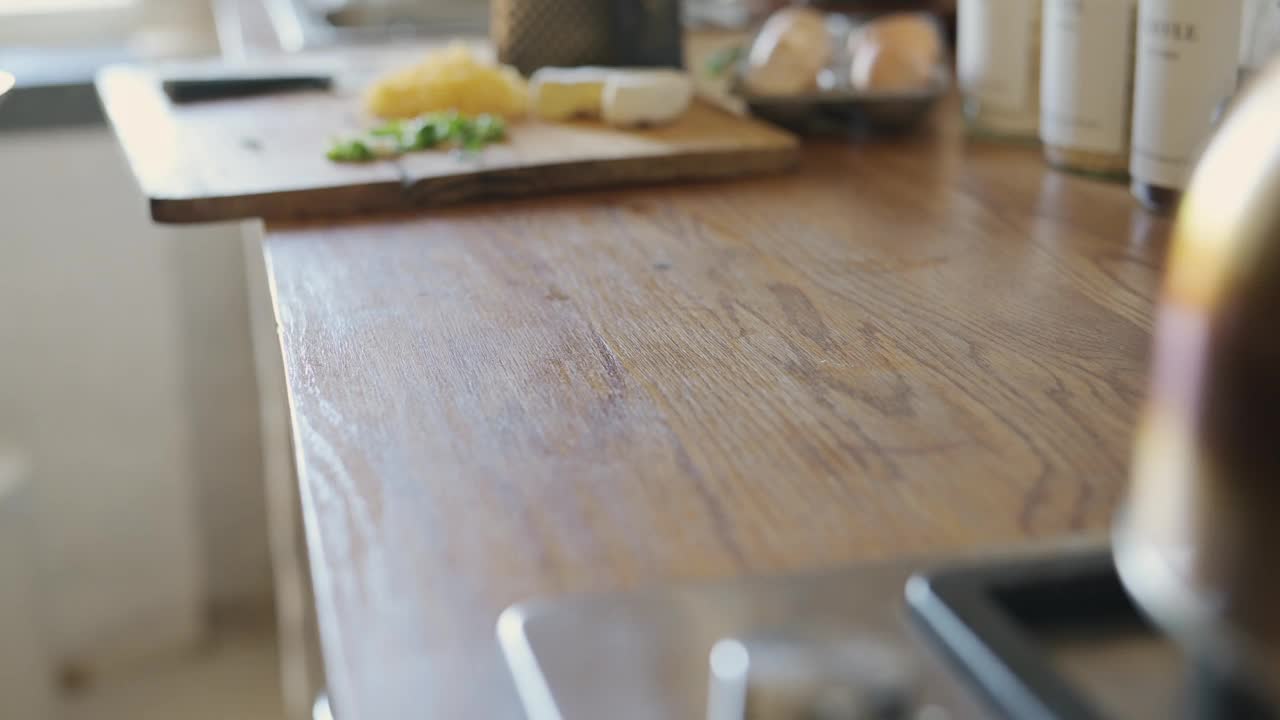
{"x":354,"y":150}
{"x":725,"y":58}
{"x":425,"y":138}
{"x":473,"y":135}
{"x":394,"y":129}
{"x":449,"y":126}
{"x":490,"y":128}
{"x":429,"y":131}
{"x":468,"y":138}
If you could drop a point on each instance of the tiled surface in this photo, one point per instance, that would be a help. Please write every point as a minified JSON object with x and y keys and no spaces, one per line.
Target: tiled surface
{"x":236,"y":677}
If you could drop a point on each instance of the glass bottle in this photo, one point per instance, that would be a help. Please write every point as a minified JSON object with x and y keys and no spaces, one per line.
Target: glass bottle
{"x":998,"y":59}
{"x":1086,"y":85}
{"x":1188,"y":52}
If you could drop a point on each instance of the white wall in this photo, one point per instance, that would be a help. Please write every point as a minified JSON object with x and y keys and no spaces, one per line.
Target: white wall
{"x":126,"y":376}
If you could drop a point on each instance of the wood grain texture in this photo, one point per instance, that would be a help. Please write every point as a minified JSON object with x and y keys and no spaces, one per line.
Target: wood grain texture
{"x":264,"y":156}
{"x":916,"y":346}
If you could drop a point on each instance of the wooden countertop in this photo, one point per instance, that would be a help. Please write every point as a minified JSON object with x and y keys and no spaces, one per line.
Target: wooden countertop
{"x":914,"y":346}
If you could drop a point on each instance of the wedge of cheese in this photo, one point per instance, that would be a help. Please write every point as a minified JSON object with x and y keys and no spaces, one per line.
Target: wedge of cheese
{"x":646,"y":97}
{"x":559,"y":94}
{"x":626,"y":97}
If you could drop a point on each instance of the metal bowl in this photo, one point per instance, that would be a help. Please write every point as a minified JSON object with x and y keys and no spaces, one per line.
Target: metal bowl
{"x":847,"y":111}
{"x":836,"y":105}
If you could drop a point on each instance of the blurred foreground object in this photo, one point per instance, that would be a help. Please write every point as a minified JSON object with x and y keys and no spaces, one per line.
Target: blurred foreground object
{"x":1196,"y":544}
{"x":814,"y":672}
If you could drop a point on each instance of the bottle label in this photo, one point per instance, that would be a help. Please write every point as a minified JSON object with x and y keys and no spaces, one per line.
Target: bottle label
{"x":996,"y":40}
{"x":1186,"y":72}
{"x":1086,"y":88}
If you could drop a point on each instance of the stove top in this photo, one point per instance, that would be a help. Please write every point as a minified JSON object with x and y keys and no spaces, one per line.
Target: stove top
{"x":1045,"y":633}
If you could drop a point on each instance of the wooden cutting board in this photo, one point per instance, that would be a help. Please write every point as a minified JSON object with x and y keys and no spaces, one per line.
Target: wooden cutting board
{"x":264,"y":156}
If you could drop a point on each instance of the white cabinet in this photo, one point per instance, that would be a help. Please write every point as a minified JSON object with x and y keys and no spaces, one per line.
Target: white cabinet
{"x":26,"y":686}
{"x":126,"y":373}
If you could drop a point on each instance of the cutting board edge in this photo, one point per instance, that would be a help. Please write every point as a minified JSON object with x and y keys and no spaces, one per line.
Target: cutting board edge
{"x":445,"y":191}
{"x":613,"y":173}
{"x":302,"y":204}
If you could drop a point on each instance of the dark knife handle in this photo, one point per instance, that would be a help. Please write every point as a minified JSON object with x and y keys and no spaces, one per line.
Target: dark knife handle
{"x":185,"y":90}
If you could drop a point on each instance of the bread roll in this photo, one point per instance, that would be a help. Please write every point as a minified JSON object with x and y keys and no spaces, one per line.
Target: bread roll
{"x":788,"y":53}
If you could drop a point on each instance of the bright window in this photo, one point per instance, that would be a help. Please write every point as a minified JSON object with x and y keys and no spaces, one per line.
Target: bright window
{"x":41,"y":7}
{"x":39,"y":23}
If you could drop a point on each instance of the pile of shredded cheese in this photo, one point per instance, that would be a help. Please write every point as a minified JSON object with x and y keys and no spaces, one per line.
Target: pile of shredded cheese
{"x":451,"y":78}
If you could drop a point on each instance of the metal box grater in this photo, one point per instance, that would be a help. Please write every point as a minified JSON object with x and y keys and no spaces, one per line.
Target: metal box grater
{"x":531,"y":34}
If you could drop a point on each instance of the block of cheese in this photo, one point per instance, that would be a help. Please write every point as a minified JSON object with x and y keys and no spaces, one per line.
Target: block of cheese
{"x":456,"y":77}
{"x":645,"y":97}
{"x":565,"y":93}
